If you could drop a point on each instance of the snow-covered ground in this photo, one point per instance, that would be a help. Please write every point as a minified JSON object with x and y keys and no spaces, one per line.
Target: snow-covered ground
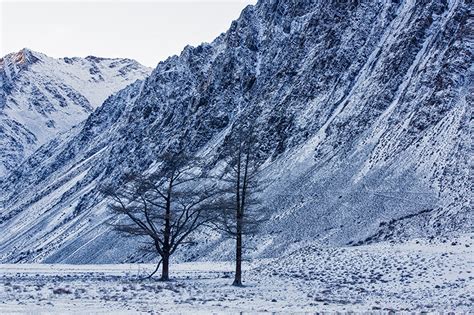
{"x":420,"y":275}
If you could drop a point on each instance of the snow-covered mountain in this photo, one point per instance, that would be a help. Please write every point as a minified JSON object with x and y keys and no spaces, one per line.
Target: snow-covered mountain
{"x":41,"y":97}
{"x":363,"y":110}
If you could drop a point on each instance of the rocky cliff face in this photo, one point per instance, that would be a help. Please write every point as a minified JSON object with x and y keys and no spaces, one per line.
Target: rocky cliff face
{"x":363,"y":109}
{"x":41,"y":97}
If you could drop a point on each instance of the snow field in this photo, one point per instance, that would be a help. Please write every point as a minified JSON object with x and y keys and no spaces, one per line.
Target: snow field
{"x":420,"y":275}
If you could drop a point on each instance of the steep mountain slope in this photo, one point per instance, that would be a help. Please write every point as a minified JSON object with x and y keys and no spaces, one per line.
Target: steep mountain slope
{"x":362,"y":108}
{"x":41,"y":97}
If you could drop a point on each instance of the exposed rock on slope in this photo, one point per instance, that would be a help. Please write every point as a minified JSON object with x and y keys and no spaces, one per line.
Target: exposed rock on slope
{"x":363,"y":112}
{"x":41,"y":97}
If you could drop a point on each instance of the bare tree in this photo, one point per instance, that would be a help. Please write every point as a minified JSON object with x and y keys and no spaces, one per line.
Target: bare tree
{"x":239,"y":210}
{"x":165,"y":207}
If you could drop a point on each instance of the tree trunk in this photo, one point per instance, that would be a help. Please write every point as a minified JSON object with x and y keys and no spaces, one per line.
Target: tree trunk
{"x":165,"y":269}
{"x":166,"y":236}
{"x":238,"y":245}
{"x":238,"y":261}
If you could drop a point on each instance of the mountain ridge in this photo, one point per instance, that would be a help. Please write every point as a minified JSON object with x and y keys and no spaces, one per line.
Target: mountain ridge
{"x":362,"y":111}
{"x":41,"y":97}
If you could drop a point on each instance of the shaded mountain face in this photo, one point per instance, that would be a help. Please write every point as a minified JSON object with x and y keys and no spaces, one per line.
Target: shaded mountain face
{"x":362,"y":108}
{"x":41,"y":97}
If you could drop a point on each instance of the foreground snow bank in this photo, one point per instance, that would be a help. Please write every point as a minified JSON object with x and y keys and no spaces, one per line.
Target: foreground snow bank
{"x":420,"y":275}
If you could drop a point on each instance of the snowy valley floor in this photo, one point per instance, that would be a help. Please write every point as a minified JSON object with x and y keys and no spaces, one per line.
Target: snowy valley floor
{"x":414,"y":276}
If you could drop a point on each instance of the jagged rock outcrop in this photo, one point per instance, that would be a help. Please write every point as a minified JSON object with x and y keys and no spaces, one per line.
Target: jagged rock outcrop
{"x":363,"y":111}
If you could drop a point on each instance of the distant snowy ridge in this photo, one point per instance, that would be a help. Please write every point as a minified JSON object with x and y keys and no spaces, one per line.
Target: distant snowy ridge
{"x":41,"y":97}
{"x":362,"y":108}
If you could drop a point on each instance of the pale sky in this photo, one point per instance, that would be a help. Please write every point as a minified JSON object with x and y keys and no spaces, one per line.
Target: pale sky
{"x":146,"y":30}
